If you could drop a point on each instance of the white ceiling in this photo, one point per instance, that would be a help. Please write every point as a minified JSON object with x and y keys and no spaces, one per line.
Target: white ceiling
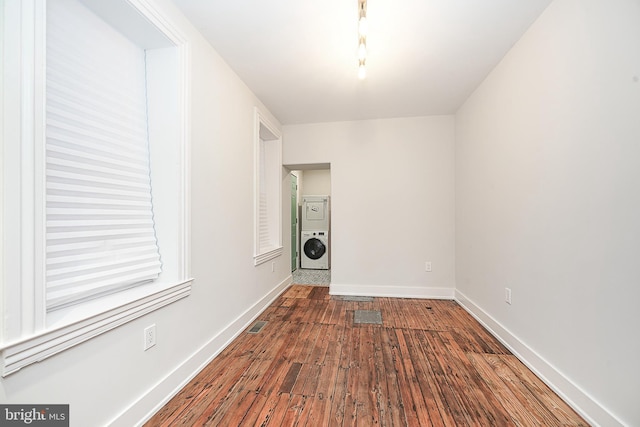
{"x":425,"y":57}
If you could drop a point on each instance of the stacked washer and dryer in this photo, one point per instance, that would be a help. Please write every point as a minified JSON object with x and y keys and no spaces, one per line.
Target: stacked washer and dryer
{"x":314,"y":239}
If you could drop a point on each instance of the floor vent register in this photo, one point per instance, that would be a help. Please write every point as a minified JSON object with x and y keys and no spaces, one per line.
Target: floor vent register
{"x":373,"y":317}
{"x":257,"y":327}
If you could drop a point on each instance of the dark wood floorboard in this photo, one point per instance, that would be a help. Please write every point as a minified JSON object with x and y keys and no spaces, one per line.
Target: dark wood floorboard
{"x":429,"y":364}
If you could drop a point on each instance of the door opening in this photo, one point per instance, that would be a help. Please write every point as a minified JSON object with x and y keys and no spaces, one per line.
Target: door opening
{"x":294,"y":222}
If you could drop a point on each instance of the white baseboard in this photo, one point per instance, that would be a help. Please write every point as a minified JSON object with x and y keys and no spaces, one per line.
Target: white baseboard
{"x":391,"y":291}
{"x":592,"y":411}
{"x":152,"y":401}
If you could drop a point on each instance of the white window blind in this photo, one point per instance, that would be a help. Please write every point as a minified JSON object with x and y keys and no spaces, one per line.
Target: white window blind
{"x":264,"y":236}
{"x":100,"y":235}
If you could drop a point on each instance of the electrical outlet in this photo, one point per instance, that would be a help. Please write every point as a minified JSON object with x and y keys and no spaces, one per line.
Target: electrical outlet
{"x":273,"y":266}
{"x":149,"y":337}
{"x":507,"y":295}
{"x":427,"y":266}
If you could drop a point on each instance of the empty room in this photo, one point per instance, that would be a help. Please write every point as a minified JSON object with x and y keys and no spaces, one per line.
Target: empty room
{"x":354,"y":212}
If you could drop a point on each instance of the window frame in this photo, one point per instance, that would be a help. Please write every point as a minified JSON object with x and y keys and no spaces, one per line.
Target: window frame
{"x":28,"y":333}
{"x":267,"y":137}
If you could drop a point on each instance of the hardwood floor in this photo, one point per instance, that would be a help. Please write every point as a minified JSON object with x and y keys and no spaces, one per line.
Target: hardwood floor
{"x":429,"y":364}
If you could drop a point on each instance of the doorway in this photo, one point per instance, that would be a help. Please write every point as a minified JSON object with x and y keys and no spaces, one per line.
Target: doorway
{"x":294,"y":222}
{"x":306,"y":180}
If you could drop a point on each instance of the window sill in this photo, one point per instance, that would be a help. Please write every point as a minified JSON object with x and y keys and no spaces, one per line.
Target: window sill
{"x":17,"y":355}
{"x":268,"y":255}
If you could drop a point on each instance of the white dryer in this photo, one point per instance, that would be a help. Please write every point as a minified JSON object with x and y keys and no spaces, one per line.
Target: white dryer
{"x":315,"y":213}
{"x":315,"y":249}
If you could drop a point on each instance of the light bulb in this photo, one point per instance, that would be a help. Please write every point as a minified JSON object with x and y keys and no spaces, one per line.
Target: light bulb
{"x":362,"y":51}
{"x":362,"y":72}
{"x":362,"y":26}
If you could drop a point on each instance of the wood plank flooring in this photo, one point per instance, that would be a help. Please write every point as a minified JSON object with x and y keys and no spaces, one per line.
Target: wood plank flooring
{"x":429,"y":364}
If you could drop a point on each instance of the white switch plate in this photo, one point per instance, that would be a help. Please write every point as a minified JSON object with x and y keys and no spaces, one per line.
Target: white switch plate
{"x":427,"y":266}
{"x":507,"y":295}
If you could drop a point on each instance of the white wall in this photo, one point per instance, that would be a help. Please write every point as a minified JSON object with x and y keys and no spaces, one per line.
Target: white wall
{"x":317,"y":182}
{"x":392,"y":203}
{"x":548,"y":202}
{"x":102,"y":378}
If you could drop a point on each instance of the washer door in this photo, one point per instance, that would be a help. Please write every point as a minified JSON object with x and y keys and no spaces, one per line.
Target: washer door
{"x":314,"y":248}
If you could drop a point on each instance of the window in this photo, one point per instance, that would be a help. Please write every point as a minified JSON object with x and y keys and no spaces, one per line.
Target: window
{"x":268,"y":204}
{"x":100,"y":232}
{"x":94,"y":177}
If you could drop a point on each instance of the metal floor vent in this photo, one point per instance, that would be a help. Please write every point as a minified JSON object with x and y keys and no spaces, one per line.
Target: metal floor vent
{"x":257,"y":327}
{"x":353,"y":298}
{"x":367,"y":316}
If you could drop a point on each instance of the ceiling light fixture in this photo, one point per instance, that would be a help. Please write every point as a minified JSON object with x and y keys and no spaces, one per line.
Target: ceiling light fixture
{"x":362,"y":38}
{"x":362,"y":52}
{"x":362,"y":71}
